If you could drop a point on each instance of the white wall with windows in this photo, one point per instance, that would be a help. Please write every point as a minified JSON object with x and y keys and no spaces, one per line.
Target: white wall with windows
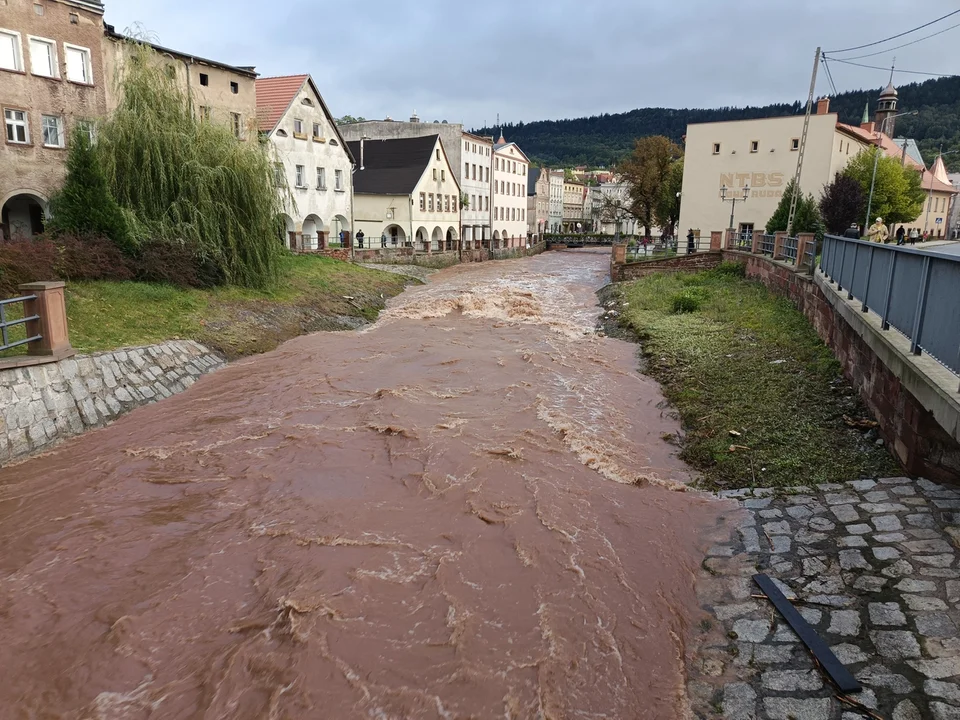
{"x":476,"y":159}
{"x":509,"y":201}
{"x":316,"y":168}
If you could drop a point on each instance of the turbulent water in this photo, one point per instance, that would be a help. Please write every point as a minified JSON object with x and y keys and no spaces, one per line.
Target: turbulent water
{"x":463,"y":511}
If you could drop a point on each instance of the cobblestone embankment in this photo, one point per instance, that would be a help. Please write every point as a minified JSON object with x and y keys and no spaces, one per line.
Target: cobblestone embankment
{"x":43,"y":404}
{"x":872,"y":566}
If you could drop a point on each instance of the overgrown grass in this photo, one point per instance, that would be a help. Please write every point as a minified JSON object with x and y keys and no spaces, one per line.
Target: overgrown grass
{"x":760,"y":396}
{"x":313,"y":293}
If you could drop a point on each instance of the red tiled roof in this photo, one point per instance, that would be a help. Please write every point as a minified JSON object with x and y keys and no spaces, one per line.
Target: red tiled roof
{"x":274,"y":96}
{"x":896,"y":151}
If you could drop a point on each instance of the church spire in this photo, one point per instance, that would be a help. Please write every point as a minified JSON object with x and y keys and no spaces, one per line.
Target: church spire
{"x":866,"y":113}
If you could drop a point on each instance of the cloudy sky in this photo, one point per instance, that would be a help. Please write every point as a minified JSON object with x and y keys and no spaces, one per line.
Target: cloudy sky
{"x":540,"y":59}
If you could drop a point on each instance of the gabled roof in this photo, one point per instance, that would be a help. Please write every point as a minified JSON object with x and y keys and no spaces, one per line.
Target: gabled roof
{"x":275,"y":96}
{"x":913,"y":151}
{"x":532,"y":178}
{"x":392,"y":167}
{"x":111,"y":32}
{"x":503,"y":146}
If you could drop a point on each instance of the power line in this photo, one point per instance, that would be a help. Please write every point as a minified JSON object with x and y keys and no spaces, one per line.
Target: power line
{"x":907,"y":72}
{"x":912,"y":42}
{"x":894,"y":37}
{"x":826,"y":67}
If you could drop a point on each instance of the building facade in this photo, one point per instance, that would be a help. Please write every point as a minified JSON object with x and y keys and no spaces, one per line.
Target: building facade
{"x":509,"y":203}
{"x":538,"y":202}
{"x":555,"y":207}
{"x":465,"y":152}
{"x":475,"y":182}
{"x":406,"y":194}
{"x":573,"y":196}
{"x":217,"y":92}
{"x":313,"y":161}
{"x":51,"y":83}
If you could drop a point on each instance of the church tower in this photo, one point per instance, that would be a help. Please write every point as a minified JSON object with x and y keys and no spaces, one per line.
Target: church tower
{"x":887,"y":108}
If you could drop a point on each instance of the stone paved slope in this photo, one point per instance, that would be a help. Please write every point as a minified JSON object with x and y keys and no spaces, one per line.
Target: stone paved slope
{"x":872,"y":566}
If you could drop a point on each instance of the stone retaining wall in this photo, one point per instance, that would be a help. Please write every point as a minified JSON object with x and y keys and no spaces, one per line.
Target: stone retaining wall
{"x":620,"y":271}
{"x":44,"y":404}
{"x":919,"y":414}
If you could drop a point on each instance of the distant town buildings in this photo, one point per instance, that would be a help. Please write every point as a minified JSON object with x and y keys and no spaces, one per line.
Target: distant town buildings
{"x":555,"y":209}
{"x":510,"y":171}
{"x":538,"y":202}
{"x":759,"y":157}
{"x":314,"y":165}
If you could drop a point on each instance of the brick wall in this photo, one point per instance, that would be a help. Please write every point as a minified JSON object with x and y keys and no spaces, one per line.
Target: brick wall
{"x":911,"y":431}
{"x":682,"y":263}
{"x":335,"y":253}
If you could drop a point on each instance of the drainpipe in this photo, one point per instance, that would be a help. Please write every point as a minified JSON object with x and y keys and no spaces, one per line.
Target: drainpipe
{"x":353,"y":242}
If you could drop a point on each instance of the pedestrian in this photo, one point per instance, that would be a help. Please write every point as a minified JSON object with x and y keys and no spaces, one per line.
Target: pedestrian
{"x":691,"y":242}
{"x":852,"y":232}
{"x":383,"y":240}
{"x":341,"y":238}
{"x":878,"y":231}
{"x":360,"y":239}
{"x":900,"y":234}
{"x":923,"y":238}
{"x":914,"y":236}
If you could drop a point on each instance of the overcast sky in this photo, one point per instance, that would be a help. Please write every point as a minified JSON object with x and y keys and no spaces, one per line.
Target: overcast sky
{"x":539,"y":59}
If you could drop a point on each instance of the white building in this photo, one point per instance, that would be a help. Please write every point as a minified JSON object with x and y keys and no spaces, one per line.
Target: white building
{"x":476,"y":160}
{"x":406,"y":194}
{"x":312,"y":159}
{"x":555,"y":211}
{"x":509,"y":202}
{"x":609,"y":201}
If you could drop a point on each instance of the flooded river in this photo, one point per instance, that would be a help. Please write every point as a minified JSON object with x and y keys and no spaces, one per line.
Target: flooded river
{"x":463,"y":511}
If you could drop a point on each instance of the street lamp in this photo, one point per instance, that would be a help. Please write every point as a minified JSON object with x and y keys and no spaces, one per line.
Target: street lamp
{"x":876,"y":160}
{"x":733,"y":200}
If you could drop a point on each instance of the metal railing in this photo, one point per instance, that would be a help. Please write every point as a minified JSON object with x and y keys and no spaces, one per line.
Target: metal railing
{"x":767,"y":243}
{"x":789,"y":248}
{"x":743,"y":241}
{"x":917,"y":292}
{"x":5,"y":325}
{"x":810,"y":255}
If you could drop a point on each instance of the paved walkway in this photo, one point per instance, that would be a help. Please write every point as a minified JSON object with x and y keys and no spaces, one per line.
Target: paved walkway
{"x":872,"y":567}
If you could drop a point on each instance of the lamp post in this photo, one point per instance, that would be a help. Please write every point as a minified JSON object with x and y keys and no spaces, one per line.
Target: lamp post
{"x":733,"y":200}
{"x":876,"y":161}
{"x":926,"y":222}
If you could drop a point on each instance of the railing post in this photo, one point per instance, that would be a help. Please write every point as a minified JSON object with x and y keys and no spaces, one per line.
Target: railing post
{"x":921,"y":307}
{"x":803,"y":239}
{"x":757,"y":239}
{"x":866,"y":289}
{"x":778,"y":238}
{"x":51,"y":324}
{"x":884,"y":323}
{"x":853,"y":274}
{"x":843,"y":260}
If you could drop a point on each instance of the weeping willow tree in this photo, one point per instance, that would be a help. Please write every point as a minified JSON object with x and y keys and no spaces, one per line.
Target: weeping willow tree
{"x":188,"y":181}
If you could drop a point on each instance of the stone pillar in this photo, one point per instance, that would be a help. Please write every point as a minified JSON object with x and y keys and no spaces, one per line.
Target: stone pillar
{"x":618,"y":258}
{"x":804,"y":241}
{"x":757,"y":241}
{"x":778,"y":244}
{"x":51,"y":324}
{"x":716,"y":240}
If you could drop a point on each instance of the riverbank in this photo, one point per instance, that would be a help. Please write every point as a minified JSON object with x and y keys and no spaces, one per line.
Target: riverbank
{"x":761,"y":398}
{"x":316,"y":293}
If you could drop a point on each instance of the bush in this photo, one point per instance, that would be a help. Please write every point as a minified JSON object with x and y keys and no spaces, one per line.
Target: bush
{"x":176,"y":264}
{"x":23,"y":261}
{"x":689,"y":300}
{"x":90,"y":258}
{"x":731,"y":269}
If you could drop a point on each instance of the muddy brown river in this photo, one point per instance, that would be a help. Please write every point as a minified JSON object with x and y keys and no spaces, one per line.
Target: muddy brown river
{"x":463,"y":511}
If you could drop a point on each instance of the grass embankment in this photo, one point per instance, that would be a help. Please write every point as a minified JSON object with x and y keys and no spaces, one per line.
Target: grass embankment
{"x":761,"y":398}
{"x":315,"y":293}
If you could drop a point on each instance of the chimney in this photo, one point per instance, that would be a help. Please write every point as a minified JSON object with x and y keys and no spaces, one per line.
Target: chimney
{"x":823,"y":106}
{"x":868,"y":126}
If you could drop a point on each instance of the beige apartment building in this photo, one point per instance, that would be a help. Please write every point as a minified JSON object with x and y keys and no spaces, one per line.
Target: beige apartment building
{"x":759,"y":158}
{"x":218,"y":92}
{"x":51,"y":81}
{"x":574,"y":194}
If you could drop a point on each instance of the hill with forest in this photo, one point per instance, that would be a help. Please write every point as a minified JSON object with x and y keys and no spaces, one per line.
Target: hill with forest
{"x":603,"y":140}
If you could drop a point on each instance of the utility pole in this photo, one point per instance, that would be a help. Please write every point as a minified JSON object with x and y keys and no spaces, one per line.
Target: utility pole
{"x":803,"y":145}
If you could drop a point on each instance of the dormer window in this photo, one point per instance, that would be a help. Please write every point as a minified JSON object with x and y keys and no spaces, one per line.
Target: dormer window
{"x":308,"y":102}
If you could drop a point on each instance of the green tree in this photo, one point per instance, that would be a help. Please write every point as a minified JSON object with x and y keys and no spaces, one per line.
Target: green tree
{"x":647,"y":171}
{"x":84,"y":205}
{"x":190,"y":182}
{"x":897,"y":193}
{"x":806,"y":219}
{"x":666,"y":211}
{"x":347,"y":119}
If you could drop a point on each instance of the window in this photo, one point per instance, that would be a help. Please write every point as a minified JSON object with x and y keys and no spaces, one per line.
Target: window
{"x":307,"y":101}
{"x":473,"y":202}
{"x":235,"y":88}
{"x":79,"y":69}
{"x":795,"y":144}
{"x":38,"y":9}
{"x":10,"y":57}
{"x":446,"y":203}
{"x":321,"y":178}
{"x":466,"y":146}
{"x":716,"y":148}
{"x":438,"y":153}
{"x":514,"y":168}
{"x":301,"y":179}
{"x":204,"y":79}
{"x":466,"y":169}
{"x":237,"y":124}
{"x":88,"y":128}
{"x":754,"y":146}
{"x":316,"y":131}
{"x":53,"y":131}
{"x":297,"y":127}
{"x":486,"y":202}
{"x":430,"y":202}
{"x":74,"y":19}
{"x":17,"y":130}
{"x":475,"y":172}
{"x":338,"y":179}
{"x":43,"y":57}
{"x":434,"y":173}
{"x":423,"y":202}
{"x":443,"y":176}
